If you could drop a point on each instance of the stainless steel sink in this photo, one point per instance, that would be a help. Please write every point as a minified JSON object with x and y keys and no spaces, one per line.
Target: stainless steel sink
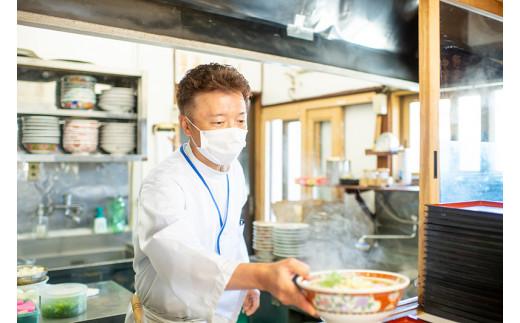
{"x":101,"y":256}
{"x":76,"y":251}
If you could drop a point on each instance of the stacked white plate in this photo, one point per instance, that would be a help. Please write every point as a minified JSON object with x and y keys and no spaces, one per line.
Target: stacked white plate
{"x":289,"y":239}
{"x":118,"y":138}
{"x":262,"y":241}
{"x":80,"y":136}
{"x":40,"y":134}
{"x":117,"y":99}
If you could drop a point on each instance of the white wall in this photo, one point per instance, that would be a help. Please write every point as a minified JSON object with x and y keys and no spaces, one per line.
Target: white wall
{"x":283,"y":83}
{"x":185,"y":60}
{"x":359,"y":135}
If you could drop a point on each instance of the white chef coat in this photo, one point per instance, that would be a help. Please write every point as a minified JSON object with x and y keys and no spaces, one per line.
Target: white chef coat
{"x":179,"y":274}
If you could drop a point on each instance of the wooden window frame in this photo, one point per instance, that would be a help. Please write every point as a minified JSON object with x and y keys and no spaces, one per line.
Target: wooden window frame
{"x":429,"y":96}
{"x":293,"y":111}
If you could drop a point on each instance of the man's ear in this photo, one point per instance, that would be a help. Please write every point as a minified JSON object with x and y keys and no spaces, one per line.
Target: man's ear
{"x":185,"y":125}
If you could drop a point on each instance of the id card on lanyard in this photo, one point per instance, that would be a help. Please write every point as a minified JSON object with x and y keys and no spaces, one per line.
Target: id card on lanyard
{"x":222,"y":221}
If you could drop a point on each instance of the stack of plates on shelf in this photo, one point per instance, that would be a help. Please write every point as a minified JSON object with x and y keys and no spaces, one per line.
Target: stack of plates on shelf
{"x":117,"y":99}
{"x":289,"y":239}
{"x":118,"y":138}
{"x":77,"y":92}
{"x":80,"y":136}
{"x":463,"y":256}
{"x":40,"y":134}
{"x":262,"y":241}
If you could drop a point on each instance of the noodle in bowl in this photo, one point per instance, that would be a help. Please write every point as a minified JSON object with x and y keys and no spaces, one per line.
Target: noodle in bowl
{"x":354,"y":295}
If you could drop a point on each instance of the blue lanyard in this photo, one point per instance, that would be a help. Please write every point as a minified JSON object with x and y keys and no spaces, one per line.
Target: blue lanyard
{"x":222,"y":222}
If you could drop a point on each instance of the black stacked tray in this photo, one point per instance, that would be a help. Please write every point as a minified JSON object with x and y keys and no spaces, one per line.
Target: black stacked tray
{"x":463,"y":257}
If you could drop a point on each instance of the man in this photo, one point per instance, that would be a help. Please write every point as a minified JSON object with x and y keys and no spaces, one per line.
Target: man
{"x":191,"y":261}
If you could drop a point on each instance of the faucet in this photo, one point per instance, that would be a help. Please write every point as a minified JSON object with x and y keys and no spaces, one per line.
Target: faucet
{"x":72,"y":211}
{"x":363,"y":245}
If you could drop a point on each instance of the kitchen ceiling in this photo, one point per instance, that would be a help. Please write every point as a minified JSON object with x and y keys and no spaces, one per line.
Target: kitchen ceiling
{"x":377,"y":37}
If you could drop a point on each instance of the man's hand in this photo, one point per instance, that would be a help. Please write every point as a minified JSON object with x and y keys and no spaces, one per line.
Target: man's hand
{"x":278,"y":280}
{"x":275,"y":278}
{"x":251,"y":302}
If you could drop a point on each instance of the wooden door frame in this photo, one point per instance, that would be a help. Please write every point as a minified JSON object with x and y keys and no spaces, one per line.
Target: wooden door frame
{"x":292,"y":111}
{"x":429,"y":96}
{"x":317,"y":115}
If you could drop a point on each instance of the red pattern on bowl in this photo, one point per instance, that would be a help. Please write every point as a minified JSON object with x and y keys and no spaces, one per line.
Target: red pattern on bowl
{"x":351,"y":305}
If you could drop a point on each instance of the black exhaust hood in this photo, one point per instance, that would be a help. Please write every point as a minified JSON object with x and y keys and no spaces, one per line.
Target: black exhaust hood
{"x":376,"y":37}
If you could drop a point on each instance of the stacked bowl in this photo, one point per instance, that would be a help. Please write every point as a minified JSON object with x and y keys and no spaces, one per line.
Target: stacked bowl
{"x":80,"y":136}
{"x":118,"y":138}
{"x":117,"y":99}
{"x":40,"y":134}
{"x":289,"y":239}
{"x":262,"y":241}
{"x":77,"y":92}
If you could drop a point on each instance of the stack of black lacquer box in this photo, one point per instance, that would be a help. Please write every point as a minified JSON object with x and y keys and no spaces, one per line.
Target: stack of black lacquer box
{"x":463,"y":257}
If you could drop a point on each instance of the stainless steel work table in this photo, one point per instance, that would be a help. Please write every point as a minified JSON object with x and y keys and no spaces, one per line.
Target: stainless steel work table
{"x":110,"y":305}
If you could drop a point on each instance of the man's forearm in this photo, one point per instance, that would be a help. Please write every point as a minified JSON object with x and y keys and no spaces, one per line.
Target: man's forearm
{"x":248,"y":276}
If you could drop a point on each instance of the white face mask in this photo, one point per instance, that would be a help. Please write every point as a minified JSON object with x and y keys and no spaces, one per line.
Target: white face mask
{"x":221,"y":146}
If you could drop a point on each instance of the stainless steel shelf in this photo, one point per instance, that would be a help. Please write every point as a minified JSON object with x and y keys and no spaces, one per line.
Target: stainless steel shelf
{"x":77,"y":113}
{"x":96,"y":158}
{"x":57,"y":65}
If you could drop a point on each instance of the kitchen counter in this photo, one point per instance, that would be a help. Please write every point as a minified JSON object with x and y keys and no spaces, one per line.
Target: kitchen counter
{"x":110,"y":305}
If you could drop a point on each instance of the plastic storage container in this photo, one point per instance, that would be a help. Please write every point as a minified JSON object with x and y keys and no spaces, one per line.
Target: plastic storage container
{"x":27,"y":312}
{"x":32,"y":317}
{"x":63,"y":300}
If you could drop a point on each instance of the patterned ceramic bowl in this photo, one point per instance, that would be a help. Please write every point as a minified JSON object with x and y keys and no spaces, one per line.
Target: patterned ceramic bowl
{"x":354,"y":295}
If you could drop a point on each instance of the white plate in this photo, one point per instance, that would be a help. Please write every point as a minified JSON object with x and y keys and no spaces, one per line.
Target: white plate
{"x":40,"y":124}
{"x":354,"y":318}
{"x":116,"y":104}
{"x":41,"y":118}
{"x":117,"y":146}
{"x":290,"y":236}
{"x":289,"y":250}
{"x":39,"y":137}
{"x":41,"y":133}
{"x":117,"y":89}
{"x":40,"y":141}
{"x":118,"y":143}
{"x":118,"y":138}
{"x":130,"y":131}
{"x":118,"y":125}
{"x":116,"y":97}
{"x":291,"y":226}
{"x":125,"y":137}
{"x":116,"y":108}
{"x":263,"y":243}
{"x":265,"y":224}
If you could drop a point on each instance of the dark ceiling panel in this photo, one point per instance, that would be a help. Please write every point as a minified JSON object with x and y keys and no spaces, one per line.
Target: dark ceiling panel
{"x":192,"y":23}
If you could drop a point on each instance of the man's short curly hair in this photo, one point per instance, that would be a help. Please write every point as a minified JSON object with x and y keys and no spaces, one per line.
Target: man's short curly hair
{"x":207,"y":78}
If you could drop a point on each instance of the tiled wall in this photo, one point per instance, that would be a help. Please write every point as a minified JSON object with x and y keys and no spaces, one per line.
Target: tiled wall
{"x":91,"y":185}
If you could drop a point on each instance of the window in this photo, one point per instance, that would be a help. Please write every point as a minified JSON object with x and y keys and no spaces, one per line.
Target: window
{"x":470,"y":153}
{"x":471,"y":144}
{"x":469,"y":132}
{"x":415,"y":129}
{"x":283,"y":162}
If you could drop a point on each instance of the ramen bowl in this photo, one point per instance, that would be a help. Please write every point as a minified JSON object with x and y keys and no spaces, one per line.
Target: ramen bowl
{"x":342,"y":296}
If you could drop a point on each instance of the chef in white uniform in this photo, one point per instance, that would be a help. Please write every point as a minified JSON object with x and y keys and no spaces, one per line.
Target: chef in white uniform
{"x":191,"y":260}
